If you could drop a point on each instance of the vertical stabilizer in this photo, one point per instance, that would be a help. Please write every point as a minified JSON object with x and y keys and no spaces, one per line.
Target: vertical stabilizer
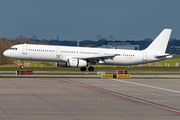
{"x":160,"y":43}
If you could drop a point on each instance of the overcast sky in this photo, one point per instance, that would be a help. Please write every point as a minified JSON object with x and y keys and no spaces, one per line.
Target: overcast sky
{"x":85,"y":19}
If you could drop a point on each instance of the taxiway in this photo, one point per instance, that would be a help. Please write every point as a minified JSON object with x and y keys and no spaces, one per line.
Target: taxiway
{"x":87,"y":99}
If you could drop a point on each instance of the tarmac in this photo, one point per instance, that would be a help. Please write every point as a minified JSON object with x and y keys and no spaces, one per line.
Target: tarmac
{"x":89,"y":99}
{"x":89,"y":76}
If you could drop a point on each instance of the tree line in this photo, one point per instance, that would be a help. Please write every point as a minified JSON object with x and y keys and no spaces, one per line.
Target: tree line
{"x":7,"y":43}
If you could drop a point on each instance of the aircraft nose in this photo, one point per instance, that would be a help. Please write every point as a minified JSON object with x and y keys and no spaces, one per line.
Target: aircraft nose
{"x":5,"y":53}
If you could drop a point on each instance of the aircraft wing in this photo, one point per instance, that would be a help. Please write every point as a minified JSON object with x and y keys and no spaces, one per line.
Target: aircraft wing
{"x":96,"y":59}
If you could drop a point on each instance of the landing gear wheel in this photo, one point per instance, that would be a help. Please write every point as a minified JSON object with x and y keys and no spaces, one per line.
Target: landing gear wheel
{"x":83,"y":68}
{"x":91,"y":68}
{"x":21,"y":66}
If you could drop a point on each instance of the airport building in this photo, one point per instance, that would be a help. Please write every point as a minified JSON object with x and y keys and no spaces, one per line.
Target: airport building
{"x":120,"y":45}
{"x":174,"y":50}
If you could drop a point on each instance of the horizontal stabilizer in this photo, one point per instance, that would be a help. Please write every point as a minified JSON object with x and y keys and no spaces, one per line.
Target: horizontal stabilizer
{"x":163,"y":55}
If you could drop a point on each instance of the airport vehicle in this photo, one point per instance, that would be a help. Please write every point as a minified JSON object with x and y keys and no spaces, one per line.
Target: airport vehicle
{"x":83,"y":57}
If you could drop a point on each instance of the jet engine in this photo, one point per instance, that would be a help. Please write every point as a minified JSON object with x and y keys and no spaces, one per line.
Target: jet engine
{"x":76,"y":63}
{"x":61,"y":64}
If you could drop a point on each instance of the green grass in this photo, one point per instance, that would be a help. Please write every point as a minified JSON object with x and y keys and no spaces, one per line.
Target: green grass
{"x":171,"y":62}
{"x":38,"y":68}
{"x":38,"y":63}
{"x":141,"y":68}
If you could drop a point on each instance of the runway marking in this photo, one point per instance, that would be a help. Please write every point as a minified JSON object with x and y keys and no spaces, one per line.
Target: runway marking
{"x":154,"y":94}
{"x":97,"y":84}
{"x":160,"y":100}
{"x":129,"y":98}
{"x":136,"y":90}
{"x":113,"y":88}
{"x":134,"y":94}
{"x":147,"y":86}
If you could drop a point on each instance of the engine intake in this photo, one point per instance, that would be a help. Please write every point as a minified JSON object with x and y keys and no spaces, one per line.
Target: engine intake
{"x":76,"y":63}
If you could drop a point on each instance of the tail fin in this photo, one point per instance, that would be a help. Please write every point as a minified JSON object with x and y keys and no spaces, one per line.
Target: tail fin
{"x":161,"y":41}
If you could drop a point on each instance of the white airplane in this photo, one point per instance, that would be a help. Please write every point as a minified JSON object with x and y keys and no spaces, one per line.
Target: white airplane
{"x":82,"y":57}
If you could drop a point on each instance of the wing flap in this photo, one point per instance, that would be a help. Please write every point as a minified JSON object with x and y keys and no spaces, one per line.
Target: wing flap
{"x":96,"y":58}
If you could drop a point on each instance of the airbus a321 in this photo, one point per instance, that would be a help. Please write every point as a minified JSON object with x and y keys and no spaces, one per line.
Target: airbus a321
{"x":83,"y":57}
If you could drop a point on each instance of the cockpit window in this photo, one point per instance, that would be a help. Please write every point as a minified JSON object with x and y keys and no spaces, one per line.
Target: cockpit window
{"x":12,"y":48}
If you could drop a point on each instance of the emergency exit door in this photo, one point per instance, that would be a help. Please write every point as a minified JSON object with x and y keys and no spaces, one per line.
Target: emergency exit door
{"x":24,"y":49}
{"x":144,"y":56}
{"x":58,"y":52}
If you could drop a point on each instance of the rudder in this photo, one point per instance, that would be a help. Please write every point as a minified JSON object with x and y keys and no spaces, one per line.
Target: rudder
{"x":160,"y":43}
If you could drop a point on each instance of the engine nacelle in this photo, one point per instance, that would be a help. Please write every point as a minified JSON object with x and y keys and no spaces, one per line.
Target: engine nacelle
{"x":61,"y":64}
{"x":77,"y":63}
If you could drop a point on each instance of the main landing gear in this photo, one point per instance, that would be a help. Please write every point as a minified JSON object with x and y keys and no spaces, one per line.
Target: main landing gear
{"x":22,"y":66}
{"x":91,"y":68}
{"x":84,"y":68}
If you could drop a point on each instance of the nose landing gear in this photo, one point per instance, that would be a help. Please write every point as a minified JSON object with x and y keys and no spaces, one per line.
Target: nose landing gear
{"x":22,"y":66}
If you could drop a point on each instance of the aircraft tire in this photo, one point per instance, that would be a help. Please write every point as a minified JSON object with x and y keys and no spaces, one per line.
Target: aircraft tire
{"x":21,"y":67}
{"x":83,"y":68}
{"x":91,"y":68}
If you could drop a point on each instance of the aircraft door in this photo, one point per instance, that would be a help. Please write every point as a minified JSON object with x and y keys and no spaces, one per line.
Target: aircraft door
{"x":24,"y":49}
{"x":144,"y":56}
{"x":58,"y":52}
